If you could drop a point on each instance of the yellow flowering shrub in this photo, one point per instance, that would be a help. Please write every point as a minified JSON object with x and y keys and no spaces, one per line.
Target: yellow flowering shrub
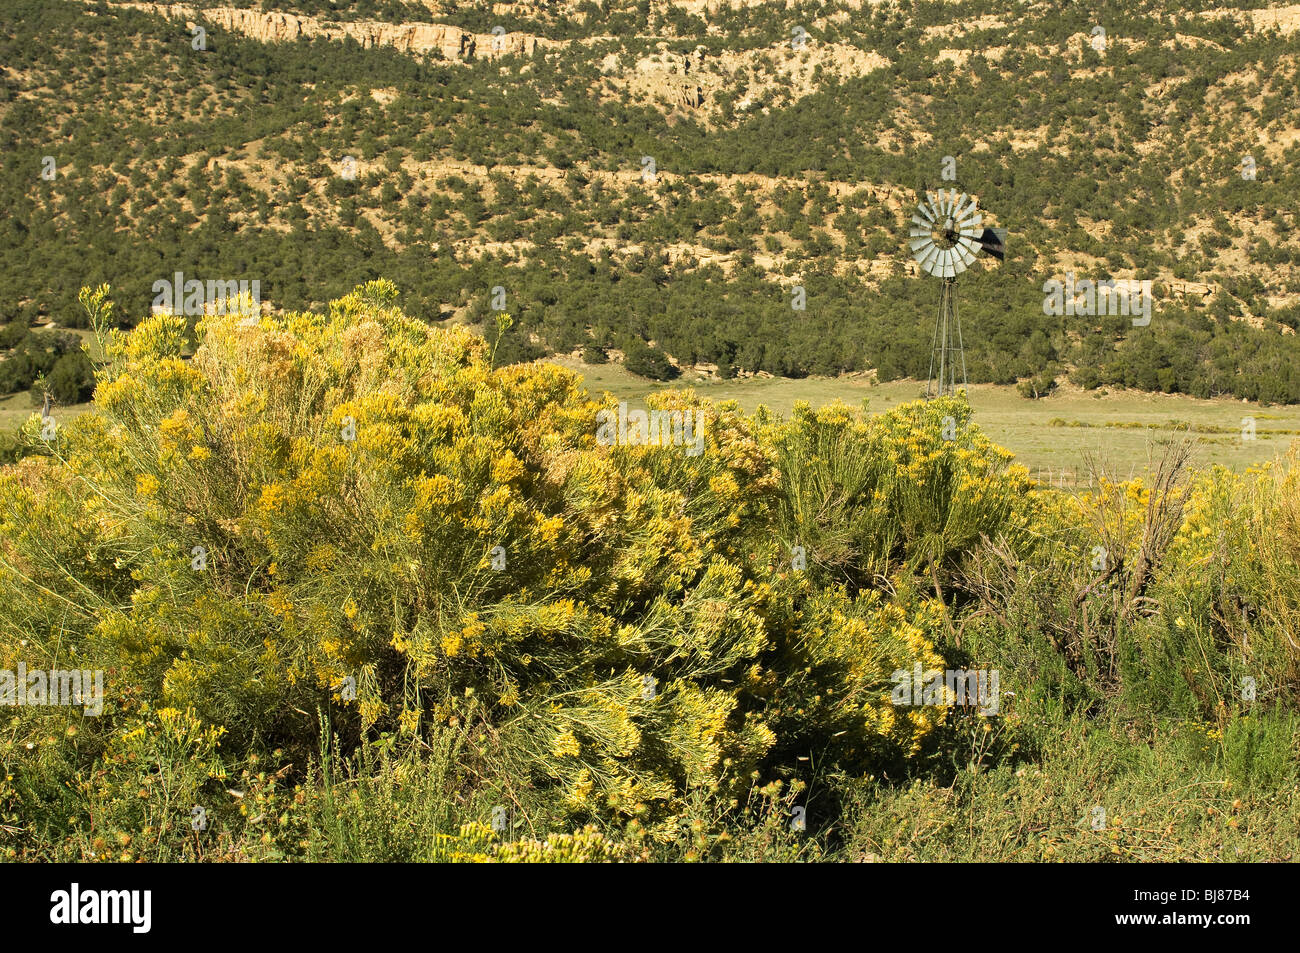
{"x":354,"y":511}
{"x":479,"y":844}
{"x":1231,"y":592}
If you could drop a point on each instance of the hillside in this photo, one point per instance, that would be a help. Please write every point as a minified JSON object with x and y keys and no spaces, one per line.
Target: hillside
{"x":311,"y":149}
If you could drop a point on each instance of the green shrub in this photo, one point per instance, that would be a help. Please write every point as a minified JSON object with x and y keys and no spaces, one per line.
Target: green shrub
{"x":646,"y":361}
{"x":1040,"y":385}
{"x":12,"y":334}
{"x":71,"y":381}
{"x":12,"y":447}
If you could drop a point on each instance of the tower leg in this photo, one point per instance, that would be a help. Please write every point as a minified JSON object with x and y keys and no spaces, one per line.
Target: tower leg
{"x":948,"y":350}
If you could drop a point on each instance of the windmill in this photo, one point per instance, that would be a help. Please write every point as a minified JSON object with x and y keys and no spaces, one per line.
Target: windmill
{"x":947,"y":234}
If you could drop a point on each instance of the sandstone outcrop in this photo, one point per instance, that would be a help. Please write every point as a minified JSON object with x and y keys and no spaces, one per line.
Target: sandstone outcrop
{"x":1201,"y":288}
{"x":451,"y":42}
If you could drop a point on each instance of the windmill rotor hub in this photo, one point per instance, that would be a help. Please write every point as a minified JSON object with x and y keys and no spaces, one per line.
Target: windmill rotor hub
{"x":945,"y":236}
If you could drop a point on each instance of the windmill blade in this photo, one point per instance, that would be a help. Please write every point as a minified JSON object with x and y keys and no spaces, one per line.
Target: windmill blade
{"x":961,"y":208}
{"x":918,"y":232}
{"x":933,"y":261}
{"x":966,"y":213}
{"x":968,"y":245}
{"x":921,"y":221}
{"x":972,"y":227}
{"x":920,"y":243}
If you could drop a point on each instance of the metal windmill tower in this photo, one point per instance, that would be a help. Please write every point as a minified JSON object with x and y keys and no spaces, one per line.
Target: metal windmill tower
{"x":947,"y":235}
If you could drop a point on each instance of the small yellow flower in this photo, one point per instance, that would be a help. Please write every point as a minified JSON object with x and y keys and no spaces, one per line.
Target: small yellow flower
{"x":565,"y":745}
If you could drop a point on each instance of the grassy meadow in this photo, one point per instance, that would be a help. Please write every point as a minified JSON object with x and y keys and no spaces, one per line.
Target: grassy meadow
{"x":1119,"y":430}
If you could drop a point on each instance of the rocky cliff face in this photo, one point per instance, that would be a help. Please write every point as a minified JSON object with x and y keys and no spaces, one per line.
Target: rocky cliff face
{"x":450,"y":41}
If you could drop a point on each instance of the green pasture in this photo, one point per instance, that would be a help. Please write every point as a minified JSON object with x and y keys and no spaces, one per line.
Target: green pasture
{"x":1067,"y":431}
